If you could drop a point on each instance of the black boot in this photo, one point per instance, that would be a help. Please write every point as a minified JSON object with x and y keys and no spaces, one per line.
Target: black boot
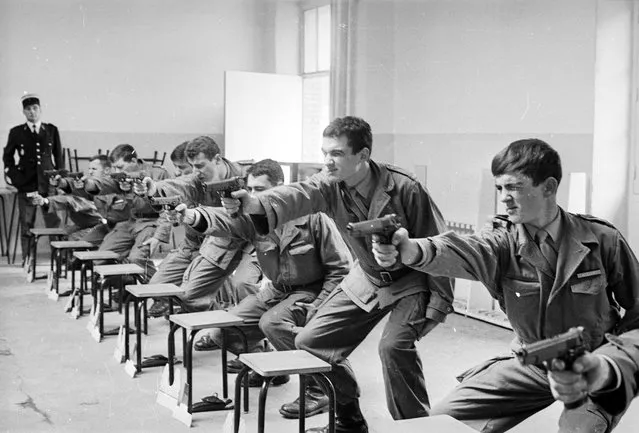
{"x":348,"y":419}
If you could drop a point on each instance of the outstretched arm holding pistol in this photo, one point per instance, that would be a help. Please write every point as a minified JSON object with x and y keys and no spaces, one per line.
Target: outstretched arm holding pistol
{"x":571,"y":378}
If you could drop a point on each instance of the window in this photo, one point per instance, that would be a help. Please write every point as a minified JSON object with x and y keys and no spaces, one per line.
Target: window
{"x":316,"y":60}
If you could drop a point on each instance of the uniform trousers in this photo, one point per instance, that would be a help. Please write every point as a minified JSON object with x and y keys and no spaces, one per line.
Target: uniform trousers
{"x":127,"y":239}
{"x":340,"y":326}
{"x":278,"y":319}
{"x":500,"y":393}
{"x":206,"y":285}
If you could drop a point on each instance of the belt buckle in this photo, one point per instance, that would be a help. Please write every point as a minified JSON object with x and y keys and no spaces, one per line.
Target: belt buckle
{"x":386,"y":277}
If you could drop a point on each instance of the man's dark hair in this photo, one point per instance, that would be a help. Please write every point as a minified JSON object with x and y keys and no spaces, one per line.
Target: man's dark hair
{"x":531,"y":157}
{"x":179,"y":153}
{"x":270,"y":168}
{"x":202,"y":144}
{"x":356,"y":130}
{"x":104,"y":160}
{"x":124,"y":151}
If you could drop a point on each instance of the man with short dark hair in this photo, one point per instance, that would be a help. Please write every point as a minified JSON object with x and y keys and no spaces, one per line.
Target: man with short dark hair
{"x":178,"y":158}
{"x":304,"y":261}
{"x":136,"y":238}
{"x":38,"y":148}
{"x":354,"y":188}
{"x":202,"y":264}
{"x":550,"y":270}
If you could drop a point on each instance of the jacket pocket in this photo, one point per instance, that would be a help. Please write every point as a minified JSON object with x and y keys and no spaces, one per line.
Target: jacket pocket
{"x":591,"y":286}
{"x":522,"y":298}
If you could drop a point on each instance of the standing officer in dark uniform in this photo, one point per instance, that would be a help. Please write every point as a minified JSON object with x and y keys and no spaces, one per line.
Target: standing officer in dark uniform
{"x":38,"y":147}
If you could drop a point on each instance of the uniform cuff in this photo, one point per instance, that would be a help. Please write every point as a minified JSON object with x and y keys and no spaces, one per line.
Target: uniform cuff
{"x":617,"y":382}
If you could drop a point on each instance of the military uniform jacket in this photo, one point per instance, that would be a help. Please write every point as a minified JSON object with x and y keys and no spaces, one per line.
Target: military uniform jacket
{"x":217,"y":250}
{"x":597,"y":273}
{"x":35,"y":153}
{"x":81,"y":211}
{"x":113,"y":208}
{"x":114,"y":201}
{"x":305,"y":254}
{"x":395,"y":192}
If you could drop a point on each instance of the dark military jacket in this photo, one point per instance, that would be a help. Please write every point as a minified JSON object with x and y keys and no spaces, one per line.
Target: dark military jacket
{"x":36,"y":153}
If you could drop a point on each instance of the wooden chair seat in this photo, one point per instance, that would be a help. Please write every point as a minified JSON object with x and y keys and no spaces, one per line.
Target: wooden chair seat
{"x":123,"y":269}
{"x":206,"y":320}
{"x":96,"y":255}
{"x":269,"y":364}
{"x":154,"y":290}
{"x":72,"y":244}
{"x":43,"y":231}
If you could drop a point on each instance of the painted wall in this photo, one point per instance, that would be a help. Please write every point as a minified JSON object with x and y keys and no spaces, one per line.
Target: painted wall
{"x":448,"y":83}
{"x":147,"y":72}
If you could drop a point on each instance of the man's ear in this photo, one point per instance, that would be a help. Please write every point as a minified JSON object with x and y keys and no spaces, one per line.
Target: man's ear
{"x":365,"y":154}
{"x":217,"y":158}
{"x":550,"y":186}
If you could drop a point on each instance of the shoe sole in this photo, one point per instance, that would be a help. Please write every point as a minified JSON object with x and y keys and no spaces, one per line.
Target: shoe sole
{"x":289,"y":415}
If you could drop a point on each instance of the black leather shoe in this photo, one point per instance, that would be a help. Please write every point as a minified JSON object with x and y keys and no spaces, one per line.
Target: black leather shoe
{"x":234,"y":366}
{"x":316,"y":402}
{"x":255,"y":380}
{"x":205,"y":343}
{"x":341,"y":427}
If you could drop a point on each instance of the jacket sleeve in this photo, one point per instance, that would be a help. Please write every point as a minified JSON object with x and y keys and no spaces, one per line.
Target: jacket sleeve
{"x":57,"y":148}
{"x":425,"y":219}
{"x":187,"y":187}
{"x":288,"y":202}
{"x":9,"y":151}
{"x":624,"y":348}
{"x":102,"y":185}
{"x":72,"y":203}
{"x":335,"y":255}
{"x":478,"y":257}
{"x":216,"y":222}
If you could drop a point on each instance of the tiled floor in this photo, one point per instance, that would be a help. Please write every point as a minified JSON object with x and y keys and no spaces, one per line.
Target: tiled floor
{"x":55,"y":377}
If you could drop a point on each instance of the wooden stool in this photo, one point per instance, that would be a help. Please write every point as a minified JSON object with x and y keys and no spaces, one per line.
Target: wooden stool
{"x":86,"y":259}
{"x":271,"y":364}
{"x":142,"y":292}
{"x":121,"y":271}
{"x":37,"y":233}
{"x":192,"y":323}
{"x":57,"y":248}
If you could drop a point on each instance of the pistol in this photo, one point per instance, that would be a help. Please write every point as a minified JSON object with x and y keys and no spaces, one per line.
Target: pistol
{"x":54,"y":173}
{"x":225,"y":187}
{"x":567,"y":346}
{"x":168,"y":204}
{"x":75,"y":174}
{"x":384,"y":227}
{"x":127,"y":177}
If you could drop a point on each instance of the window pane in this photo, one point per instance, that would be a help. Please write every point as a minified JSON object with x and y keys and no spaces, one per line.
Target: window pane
{"x":315,"y":116}
{"x":310,"y":40}
{"x":324,"y":38}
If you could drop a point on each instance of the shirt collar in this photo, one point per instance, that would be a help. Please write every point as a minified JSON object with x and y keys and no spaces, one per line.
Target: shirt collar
{"x":553,"y":228}
{"x":37,"y":125}
{"x":365,"y":186}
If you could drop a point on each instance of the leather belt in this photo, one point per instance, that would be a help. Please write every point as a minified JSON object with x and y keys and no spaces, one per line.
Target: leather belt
{"x":386,"y":278}
{"x":287,"y":288}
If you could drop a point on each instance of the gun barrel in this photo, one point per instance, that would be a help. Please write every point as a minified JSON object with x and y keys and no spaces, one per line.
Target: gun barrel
{"x":564,"y":346}
{"x":167,"y":201}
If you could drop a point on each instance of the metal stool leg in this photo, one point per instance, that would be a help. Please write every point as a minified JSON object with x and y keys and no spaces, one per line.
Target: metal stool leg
{"x":238,"y":391}
{"x":262,"y":404}
{"x":328,"y":387}
{"x":302,"y":415}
